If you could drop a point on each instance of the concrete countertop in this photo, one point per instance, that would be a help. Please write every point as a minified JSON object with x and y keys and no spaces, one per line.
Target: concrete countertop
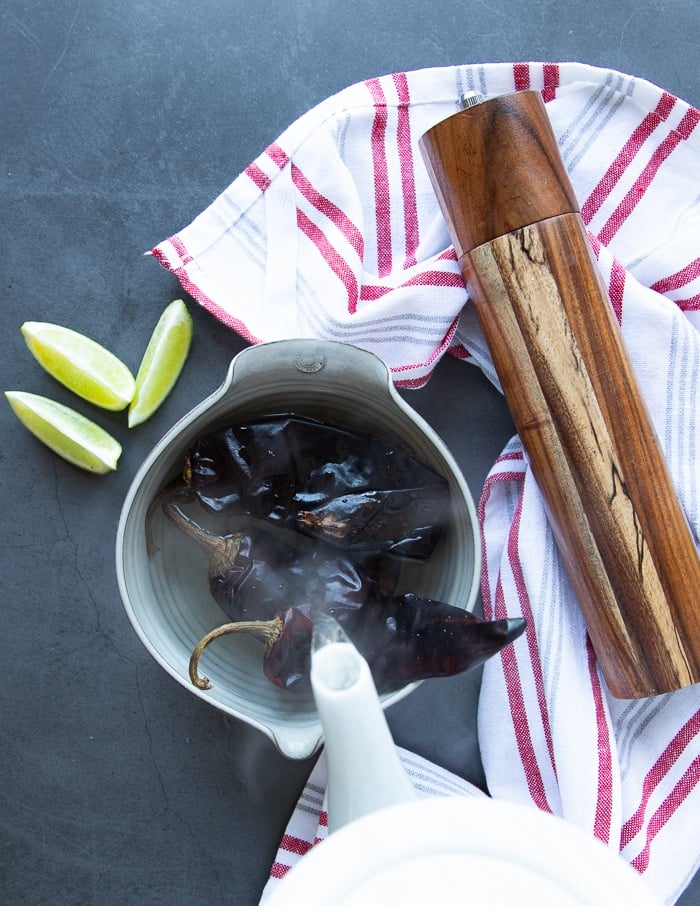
{"x":121,"y":120}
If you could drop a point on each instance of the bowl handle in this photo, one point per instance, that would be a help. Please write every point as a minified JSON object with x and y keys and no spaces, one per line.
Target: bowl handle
{"x":327,"y":361}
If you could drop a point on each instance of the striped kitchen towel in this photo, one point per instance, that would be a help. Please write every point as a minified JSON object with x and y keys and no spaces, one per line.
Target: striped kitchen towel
{"x":334,"y":231}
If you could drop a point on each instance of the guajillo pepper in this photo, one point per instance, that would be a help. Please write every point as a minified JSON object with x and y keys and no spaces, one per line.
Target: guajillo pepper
{"x":348,"y":489}
{"x":287,"y":654}
{"x":404,"y":638}
{"x":254,"y":573}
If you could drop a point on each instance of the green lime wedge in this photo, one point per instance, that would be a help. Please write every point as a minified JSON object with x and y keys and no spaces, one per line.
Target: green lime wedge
{"x":66,"y":432}
{"x":162,"y":361}
{"x":81,"y":364}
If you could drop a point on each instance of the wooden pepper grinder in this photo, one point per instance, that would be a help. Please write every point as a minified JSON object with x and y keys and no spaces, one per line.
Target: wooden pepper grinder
{"x":558,"y":352}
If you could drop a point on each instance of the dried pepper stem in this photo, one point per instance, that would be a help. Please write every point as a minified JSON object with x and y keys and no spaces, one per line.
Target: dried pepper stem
{"x":268,"y":630}
{"x":222,"y":549}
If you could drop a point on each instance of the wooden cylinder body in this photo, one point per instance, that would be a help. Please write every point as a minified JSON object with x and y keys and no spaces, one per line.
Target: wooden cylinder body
{"x":569,"y":384}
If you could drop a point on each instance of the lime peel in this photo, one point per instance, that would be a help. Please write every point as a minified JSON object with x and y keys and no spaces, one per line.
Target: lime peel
{"x":65,"y":431}
{"x":162,"y":361}
{"x":81,"y":364}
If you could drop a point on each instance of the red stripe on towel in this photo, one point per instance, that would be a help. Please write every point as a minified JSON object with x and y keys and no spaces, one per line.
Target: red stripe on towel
{"x":624,"y":158}
{"x":382,"y":195}
{"x":681,"y":278}
{"x":654,"y":777}
{"x":550,"y":76}
{"x":519,"y":718}
{"x":329,"y":209}
{"x":616,"y":288}
{"x":530,"y":634}
{"x":496,"y":610}
{"x":373,"y":291}
{"x":296,"y":845}
{"x":602,"y":824}
{"x":635,"y":194}
{"x":666,"y":810}
{"x":692,"y":303}
{"x":521,"y":76}
{"x":278,"y":155}
{"x":332,"y":257}
{"x":258,"y":176}
{"x":406,"y":165}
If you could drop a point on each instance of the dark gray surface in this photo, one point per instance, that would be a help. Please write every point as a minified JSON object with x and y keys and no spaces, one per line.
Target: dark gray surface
{"x":120,"y":121}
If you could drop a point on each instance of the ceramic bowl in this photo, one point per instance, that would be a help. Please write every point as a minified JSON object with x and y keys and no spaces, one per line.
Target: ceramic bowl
{"x":166,"y":595}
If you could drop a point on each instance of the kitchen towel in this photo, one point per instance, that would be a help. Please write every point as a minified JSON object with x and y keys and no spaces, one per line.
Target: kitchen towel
{"x":334,"y":231}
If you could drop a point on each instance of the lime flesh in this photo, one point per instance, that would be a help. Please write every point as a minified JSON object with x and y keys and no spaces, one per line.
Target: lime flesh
{"x":162,"y":361}
{"x":65,"y":431}
{"x":81,"y":364}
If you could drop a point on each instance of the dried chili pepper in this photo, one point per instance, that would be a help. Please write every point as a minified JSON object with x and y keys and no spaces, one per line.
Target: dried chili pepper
{"x":254,"y":574}
{"x":403,"y":638}
{"x":287,"y":656}
{"x":348,"y":489}
{"x":367,"y":502}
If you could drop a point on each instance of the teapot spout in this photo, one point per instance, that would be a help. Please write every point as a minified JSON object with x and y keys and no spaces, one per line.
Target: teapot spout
{"x":365,"y":772}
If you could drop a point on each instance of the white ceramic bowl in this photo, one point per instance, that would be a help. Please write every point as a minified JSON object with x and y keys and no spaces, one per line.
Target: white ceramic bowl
{"x":166,"y":596}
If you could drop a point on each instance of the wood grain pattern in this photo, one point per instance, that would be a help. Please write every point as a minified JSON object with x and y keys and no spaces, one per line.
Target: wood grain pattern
{"x":570,"y":387}
{"x":503,"y":158}
{"x":624,"y":538}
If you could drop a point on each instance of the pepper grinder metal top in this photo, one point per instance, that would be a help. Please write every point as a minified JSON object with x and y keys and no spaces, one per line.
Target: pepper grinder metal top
{"x":557,"y":348}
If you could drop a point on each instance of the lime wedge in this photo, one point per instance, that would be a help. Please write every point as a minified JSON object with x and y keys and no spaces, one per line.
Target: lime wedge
{"x":162,"y":361}
{"x":66,"y":432}
{"x":81,"y":364}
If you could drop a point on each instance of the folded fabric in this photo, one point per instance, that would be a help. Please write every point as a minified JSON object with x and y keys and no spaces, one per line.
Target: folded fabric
{"x":334,"y":231}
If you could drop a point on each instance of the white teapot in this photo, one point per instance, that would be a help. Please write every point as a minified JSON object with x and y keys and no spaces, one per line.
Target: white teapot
{"x":386,"y":845}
